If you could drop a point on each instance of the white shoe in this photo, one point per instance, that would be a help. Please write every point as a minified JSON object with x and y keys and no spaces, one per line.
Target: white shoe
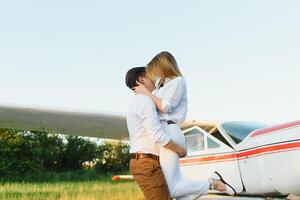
{"x":229,"y":189}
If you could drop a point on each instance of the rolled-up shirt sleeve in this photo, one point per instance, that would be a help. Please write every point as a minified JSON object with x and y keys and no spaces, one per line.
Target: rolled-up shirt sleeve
{"x":173,"y":95}
{"x":151,"y":122}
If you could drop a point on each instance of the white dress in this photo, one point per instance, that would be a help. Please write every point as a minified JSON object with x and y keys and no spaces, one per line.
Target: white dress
{"x":173,"y":97}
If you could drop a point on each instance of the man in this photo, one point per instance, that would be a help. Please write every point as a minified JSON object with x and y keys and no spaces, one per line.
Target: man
{"x":145,"y":137}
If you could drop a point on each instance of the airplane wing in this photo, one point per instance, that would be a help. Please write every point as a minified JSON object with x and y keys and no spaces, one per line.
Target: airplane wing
{"x":208,"y":126}
{"x":101,"y":125}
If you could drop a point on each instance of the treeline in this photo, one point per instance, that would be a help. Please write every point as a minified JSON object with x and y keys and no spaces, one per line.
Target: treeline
{"x":25,"y":154}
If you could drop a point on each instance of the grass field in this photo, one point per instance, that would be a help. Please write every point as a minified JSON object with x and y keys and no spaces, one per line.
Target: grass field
{"x":87,"y":190}
{"x":80,"y":190}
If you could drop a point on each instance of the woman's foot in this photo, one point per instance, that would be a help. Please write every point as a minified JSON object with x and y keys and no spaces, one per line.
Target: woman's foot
{"x":218,"y":183}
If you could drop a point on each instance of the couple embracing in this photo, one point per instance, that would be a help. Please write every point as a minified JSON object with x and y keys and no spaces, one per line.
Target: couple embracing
{"x":156,"y":140}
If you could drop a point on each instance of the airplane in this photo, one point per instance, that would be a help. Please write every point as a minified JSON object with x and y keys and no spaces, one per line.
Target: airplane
{"x":255,"y":158}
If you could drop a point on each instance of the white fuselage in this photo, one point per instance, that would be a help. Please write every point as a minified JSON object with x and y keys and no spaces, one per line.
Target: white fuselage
{"x":266,"y":162}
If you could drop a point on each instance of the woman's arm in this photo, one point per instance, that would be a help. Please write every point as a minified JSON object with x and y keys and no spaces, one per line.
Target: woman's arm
{"x":157,"y":102}
{"x":141,"y":89}
{"x":171,"y":97}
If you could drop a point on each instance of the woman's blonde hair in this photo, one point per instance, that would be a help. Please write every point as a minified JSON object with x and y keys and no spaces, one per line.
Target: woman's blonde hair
{"x":162,"y":65}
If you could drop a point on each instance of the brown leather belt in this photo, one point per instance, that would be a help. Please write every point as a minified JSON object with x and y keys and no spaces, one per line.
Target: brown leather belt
{"x":170,"y":122}
{"x":143,"y":155}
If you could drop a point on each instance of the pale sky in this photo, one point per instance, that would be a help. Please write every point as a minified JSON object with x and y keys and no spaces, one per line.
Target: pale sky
{"x":241,"y":59}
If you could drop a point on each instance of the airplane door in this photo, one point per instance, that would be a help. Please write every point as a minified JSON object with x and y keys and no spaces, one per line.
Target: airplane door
{"x":206,"y":154}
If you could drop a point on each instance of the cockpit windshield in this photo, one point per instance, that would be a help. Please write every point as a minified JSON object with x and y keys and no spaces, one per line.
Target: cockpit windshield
{"x":238,"y":131}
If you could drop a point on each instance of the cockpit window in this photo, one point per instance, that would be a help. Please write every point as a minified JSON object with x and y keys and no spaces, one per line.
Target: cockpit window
{"x":212,"y":144}
{"x":194,"y":140}
{"x":240,"y":130}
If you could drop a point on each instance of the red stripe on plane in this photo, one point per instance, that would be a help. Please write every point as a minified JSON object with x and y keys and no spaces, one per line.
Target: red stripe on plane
{"x":241,"y":155}
{"x":214,"y":158}
{"x":274,"y":128}
{"x":269,"y":149}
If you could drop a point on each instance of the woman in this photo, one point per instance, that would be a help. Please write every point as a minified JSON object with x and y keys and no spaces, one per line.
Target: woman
{"x":171,"y":101}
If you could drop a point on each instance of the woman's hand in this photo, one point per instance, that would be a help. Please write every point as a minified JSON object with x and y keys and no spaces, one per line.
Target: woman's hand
{"x":141,"y":89}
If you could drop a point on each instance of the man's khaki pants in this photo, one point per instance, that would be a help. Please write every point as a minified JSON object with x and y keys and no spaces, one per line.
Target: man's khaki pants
{"x":149,"y":177}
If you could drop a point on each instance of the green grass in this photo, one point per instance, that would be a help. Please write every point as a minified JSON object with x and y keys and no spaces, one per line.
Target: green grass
{"x":73,"y":185}
{"x":79,"y":190}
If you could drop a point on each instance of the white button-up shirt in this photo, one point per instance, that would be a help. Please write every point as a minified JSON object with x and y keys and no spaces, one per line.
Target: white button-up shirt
{"x":173,"y":96}
{"x":145,"y":130}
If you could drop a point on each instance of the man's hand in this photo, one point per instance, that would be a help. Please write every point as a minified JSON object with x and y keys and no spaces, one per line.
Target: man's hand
{"x":181,"y":152}
{"x":173,"y":146}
